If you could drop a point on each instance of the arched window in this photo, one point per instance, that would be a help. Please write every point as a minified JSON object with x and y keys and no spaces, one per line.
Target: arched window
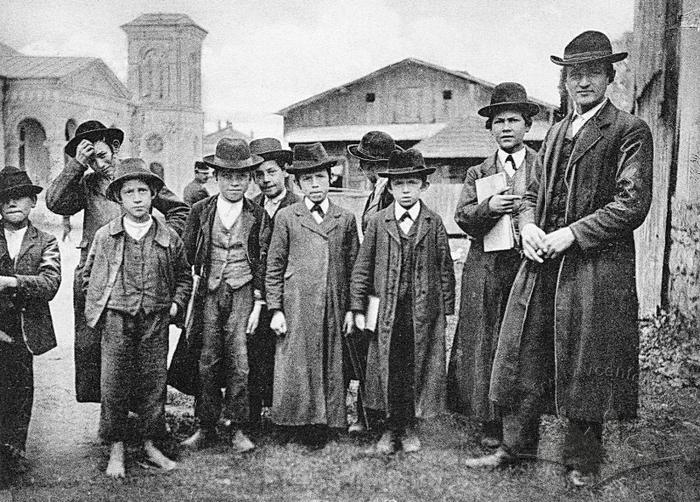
{"x":33,"y":154}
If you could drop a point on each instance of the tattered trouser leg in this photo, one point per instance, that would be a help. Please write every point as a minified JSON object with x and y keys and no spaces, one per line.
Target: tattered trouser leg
{"x":16,"y":394}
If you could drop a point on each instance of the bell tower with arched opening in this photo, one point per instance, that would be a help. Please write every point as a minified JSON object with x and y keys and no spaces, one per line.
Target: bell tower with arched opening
{"x":165,"y":79}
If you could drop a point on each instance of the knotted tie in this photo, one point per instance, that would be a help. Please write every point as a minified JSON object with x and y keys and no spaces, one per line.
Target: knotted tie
{"x":317,"y":208}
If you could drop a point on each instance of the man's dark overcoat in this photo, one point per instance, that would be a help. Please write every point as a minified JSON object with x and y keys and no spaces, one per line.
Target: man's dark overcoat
{"x":378,"y":268}
{"x":255,"y":231}
{"x":486,"y":281}
{"x":596,"y":342}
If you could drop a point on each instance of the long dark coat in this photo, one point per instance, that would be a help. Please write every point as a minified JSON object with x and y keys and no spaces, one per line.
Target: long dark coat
{"x":308,"y":277}
{"x":486,"y":282}
{"x":183,"y":373}
{"x":596,"y":342}
{"x":378,"y":268}
{"x":37,"y":268}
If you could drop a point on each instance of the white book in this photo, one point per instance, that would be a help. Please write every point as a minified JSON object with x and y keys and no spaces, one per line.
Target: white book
{"x":372,"y":313}
{"x":500,"y":237}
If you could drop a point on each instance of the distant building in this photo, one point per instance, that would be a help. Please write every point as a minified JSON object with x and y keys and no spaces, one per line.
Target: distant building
{"x":223,"y":131}
{"x":412,"y":100}
{"x":43,"y":99}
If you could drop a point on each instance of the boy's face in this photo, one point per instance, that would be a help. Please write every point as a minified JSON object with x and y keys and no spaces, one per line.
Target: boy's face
{"x":407,"y":191}
{"x":102,"y":160}
{"x":370,"y":169}
{"x":16,"y":211}
{"x":315,"y":185}
{"x":508,"y":128}
{"x":270,"y":177}
{"x":136,"y":199}
{"x":232,"y":184}
{"x":201,"y":176}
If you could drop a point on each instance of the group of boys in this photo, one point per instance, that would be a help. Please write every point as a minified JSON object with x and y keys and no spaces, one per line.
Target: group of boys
{"x":280,"y":285}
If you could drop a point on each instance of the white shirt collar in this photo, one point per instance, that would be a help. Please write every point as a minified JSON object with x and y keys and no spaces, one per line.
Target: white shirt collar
{"x":518,"y":157}
{"x":324,"y":204}
{"x":135,"y":229}
{"x":277,"y":199}
{"x":582,"y":118}
{"x":228,"y":211}
{"x":14,"y":240}
{"x":412,"y":211}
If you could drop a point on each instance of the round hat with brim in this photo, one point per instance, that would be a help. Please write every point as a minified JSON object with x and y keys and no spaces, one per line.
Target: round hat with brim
{"x":93,"y":131}
{"x":233,"y":154}
{"x":310,"y":157}
{"x":507,"y":96}
{"x":406,"y":163}
{"x":588,"y":47}
{"x":15,"y":183}
{"x":270,"y":149}
{"x":375,"y":146}
{"x":132,"y":169}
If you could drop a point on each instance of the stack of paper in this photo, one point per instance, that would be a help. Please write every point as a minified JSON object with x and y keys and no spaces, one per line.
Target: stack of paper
{"x":500,"y":237}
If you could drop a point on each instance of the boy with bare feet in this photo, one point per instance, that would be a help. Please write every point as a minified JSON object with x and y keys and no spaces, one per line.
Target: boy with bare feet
{"x":136,"y":279}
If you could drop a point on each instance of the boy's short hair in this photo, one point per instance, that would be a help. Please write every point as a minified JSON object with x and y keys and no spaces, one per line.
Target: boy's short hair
{"x":117,"y":188}
{"x":297,"y":176}
{"x":422,"y":177}
{"x":526,"y":117}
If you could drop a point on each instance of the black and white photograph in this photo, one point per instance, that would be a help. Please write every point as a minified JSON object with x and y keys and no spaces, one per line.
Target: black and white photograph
{"x":335,"y":250}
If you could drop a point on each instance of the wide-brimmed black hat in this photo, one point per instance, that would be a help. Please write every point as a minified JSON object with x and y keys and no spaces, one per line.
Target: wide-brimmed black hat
{"x":310,"y":157}
{"x":15,"y":183}
{"x":375,"y":146}
{"x":588,"y":47}
{"x":132,"y":169}
{"x":509,"y":95}
{"x":270,"y":149}
{"x":233,"y":155}
{"x":406,"y":163}
{"x":93,"y":131}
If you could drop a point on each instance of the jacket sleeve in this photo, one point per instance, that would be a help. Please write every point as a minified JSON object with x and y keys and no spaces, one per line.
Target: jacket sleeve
{"x":447,"y":271}
{"x":45,"y":283}
{"x":66,"y":194}
{"x":174,"y":210}
{"x":528,"y":204}
{"x":475,"y":219}
{"x":182,"y":274}
{"x":264,"y":235}
{"x":277,"y":258}
{"x":190,"y":237}
{"x":632,"y":199}
{"x":351,"y":248}
{"x":90,"y":260}
{"x":363,"y":272}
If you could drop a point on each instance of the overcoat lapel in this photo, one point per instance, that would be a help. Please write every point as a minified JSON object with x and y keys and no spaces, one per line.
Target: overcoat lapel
{"x":28,"y":242}
{"x":549,"y":164}
{"x":247,"y":221}
{"x":389,"y":221}
{"x":307,"y":220}
{"x":331,"y":219}
{"x":424,"y":225}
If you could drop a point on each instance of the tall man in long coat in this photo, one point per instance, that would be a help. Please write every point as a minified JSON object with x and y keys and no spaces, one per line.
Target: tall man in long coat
{"x":95,"y":147}
{"x":569,"y":339}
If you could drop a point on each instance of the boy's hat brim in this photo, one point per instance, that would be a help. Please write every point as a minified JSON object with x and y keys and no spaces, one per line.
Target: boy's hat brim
{"x":19,"y":191}
{"x":15,"y":183}
{"x":93,"y":131}
{"x":405,"y":173}
{"x":132,"y":169}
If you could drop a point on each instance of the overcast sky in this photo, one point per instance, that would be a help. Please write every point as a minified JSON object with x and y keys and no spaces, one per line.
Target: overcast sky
{"x":262,"y":55}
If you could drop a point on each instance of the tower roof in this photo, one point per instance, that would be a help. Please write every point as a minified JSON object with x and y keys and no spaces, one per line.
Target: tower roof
{"x":162,"y":19}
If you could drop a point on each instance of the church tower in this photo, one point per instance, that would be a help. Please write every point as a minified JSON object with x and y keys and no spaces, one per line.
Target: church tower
{"x":165,"y":80}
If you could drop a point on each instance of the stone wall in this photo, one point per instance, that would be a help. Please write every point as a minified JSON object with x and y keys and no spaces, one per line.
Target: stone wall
{"x":684,"y":258}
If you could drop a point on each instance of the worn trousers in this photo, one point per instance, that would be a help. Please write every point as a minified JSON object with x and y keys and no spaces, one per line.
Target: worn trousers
{"x":16,"y":393}
{"x":87,"y":344}
{"x":134,"y":373}
{"x":401,"y":385}
{"x":582,"y":448}
{"x":261,"y":363}
{"x":224,"y":356}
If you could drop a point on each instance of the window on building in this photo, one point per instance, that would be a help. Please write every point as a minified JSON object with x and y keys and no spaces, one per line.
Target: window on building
{"x":446,"y":94}
{"x":370,"y":97}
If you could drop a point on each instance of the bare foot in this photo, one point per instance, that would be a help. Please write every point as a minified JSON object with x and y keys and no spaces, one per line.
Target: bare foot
{"x":156,"y":456}
{"x":115,"y":467}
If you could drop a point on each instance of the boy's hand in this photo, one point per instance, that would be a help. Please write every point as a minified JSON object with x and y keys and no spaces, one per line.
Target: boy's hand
{"x":254,"y":318}
{"x":278,"y":323}
{"x":348,"y":324}
{"x":503,"y":203}
{"x":555,"y":243}
{"x":360,"y":321}
{"x":532,"y":238}
{"x":4,"y":337}
{"x":84,"y":152}
{"x":7,"y":282}
{"x":173,"y":309}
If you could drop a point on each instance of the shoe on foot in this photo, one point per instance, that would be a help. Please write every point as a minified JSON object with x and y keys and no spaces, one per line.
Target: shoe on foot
{"x":241,"y":443}
{"x":490,"y":442}
{"x":579,"y":479}
{"x":410,"y":441}
{"x":357,"y":428}
{"x":385,"y":445}
{"x":500,"y":458}
{"x":198,"y":440}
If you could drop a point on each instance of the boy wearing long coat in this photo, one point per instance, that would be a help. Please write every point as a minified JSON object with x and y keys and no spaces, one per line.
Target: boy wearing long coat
{"x":415,"y":295}
{"x":313,"y":249}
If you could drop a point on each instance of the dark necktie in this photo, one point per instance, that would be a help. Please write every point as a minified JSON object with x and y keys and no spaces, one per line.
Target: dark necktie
{"x":317,"y":208}
{"x":405,"y":216}
{"x":509,"y":158}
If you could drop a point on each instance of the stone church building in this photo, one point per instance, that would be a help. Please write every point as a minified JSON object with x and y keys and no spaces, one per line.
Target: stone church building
{"x":43,"y":99}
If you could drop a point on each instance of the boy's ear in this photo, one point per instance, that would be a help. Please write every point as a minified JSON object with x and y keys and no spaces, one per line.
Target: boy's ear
{"x":426,"y":185}
{"x":34,"y":199}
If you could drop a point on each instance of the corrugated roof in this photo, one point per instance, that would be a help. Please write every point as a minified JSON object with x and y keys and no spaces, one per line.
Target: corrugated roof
{"x":21,"y":67}
{"x":467,"y":138}
{"x":6,"y":50}
{"x":163,"y":19}
{"x":400,"y":132}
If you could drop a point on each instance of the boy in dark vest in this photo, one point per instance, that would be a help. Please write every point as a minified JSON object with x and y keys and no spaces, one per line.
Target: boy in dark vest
{"x":405,"y":259}
{"x":136,"y":279}
{"x":30,"y":274}
{"x":226,"y":236}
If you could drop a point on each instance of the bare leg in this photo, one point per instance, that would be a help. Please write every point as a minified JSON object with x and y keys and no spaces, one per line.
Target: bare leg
{"x":115,"y":467}
{"x":156,"y":456}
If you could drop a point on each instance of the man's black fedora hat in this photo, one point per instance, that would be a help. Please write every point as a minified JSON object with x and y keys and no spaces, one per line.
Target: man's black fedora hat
{"x":270,"y":149}
{"x":406,"y":163}
{"x":94,"y":130}
{"x":233,"y":155}
{"x":507,"y":95}
{"x":310,"y":157}
{"x":15,"y":183}
{"x":375,"y":146}
{"x":588,"y":47}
